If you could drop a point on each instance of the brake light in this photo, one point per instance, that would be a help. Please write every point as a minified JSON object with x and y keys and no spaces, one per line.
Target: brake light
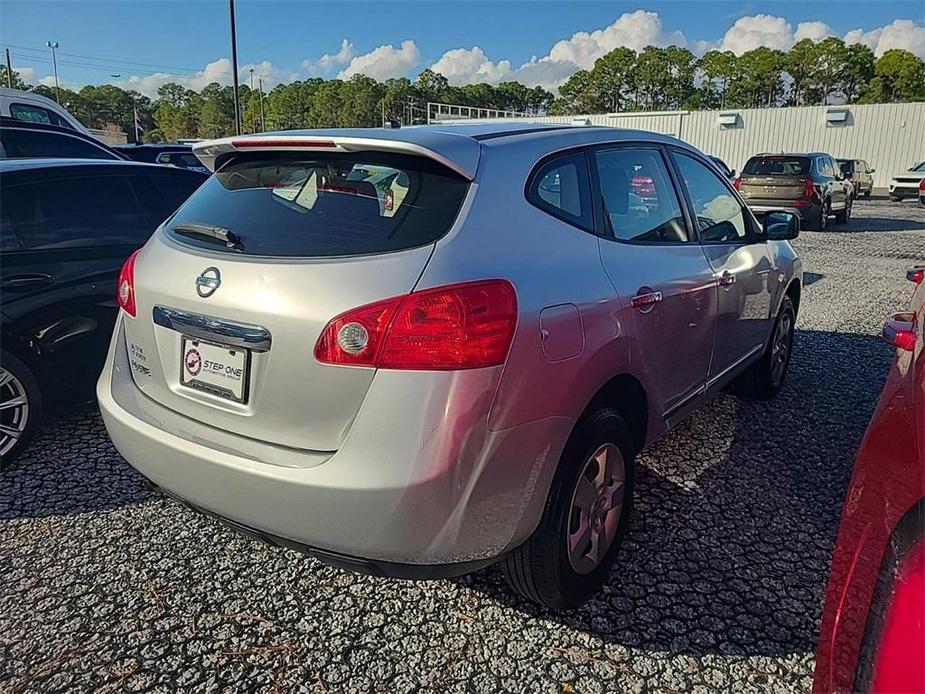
{"x":916,"y":273}
{"x":271,"y":142}
{"x":922,"y":185}
{"x":126,"y":290}
{"x":809,"y":188}
{"x":459,"y":326}
{"x":737,"y":183}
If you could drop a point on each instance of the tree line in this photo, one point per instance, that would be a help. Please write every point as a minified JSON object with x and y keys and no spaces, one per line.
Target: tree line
{"x":654,"y":79}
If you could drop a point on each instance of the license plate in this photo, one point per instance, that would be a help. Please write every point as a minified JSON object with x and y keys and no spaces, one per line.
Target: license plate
{"x":216,"y":369}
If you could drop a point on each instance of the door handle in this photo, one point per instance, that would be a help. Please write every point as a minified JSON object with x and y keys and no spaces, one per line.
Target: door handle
{"x":645,"y":299}
{"x":726,"y":279}
{"x":36,"y":279}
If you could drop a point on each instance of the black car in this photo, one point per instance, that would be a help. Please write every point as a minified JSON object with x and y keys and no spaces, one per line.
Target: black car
{"x":150,"y":153}
{"x":66,"y":228}
{"x":26,"y":140}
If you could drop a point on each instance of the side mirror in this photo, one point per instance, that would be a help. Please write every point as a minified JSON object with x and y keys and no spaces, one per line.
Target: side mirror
{"x":732,"y":173}
{"x":781,"y":226}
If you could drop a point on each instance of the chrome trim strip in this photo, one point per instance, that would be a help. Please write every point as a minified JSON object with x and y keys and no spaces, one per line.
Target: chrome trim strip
{"x":226,"y":332}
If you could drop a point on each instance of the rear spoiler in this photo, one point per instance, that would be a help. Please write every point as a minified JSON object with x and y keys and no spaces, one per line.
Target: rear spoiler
{"x":460,"y":154}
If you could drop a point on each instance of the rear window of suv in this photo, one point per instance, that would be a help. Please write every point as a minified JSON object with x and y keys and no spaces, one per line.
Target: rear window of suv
{"x":777,"y":165}
{"x":293,"y":204}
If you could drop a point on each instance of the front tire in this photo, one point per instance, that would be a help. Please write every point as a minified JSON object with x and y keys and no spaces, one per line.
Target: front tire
{"x":765,"y":377}
{"x":20,"y":407}
{"x":569,"y":556}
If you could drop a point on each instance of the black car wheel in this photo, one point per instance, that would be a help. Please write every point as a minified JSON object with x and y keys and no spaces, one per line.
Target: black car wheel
{"x":765,"y":377}
{"x":20,"y":407}
{"x":571,"y":552}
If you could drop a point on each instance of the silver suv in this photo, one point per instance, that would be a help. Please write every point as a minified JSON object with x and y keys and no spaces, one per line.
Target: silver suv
{"x":415,"y":352}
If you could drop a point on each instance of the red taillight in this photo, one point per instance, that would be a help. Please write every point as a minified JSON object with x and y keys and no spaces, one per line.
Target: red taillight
{"x":271,"y":142}
{"x":738,"y":183}
{"x":460,"y":326}
{"x":900,"y":331}
{"x":809,"y":188}
{"x":126,"y":286}
{"x":916,"y":273}
{"x":922,"y":185}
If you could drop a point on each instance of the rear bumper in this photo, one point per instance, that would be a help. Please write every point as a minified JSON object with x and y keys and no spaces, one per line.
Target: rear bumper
{"x":444,"y":495}
{"x":762,"y":207}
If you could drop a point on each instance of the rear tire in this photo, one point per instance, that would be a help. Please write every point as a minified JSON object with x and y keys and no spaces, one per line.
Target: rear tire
{"x":560,"y":565}
{"x":20,"y":407}
{"x":820,"y":221}
{"x":765,"y":377}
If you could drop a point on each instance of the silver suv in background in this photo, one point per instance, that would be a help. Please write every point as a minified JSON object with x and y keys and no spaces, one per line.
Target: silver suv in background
{"x":416,"y":352}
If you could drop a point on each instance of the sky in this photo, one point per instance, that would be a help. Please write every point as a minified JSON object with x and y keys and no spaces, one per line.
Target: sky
{"x":142,"y":44}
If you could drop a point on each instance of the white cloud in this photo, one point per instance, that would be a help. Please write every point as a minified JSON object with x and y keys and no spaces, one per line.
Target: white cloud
{"x":28,"y":74}
{"x":329,"y":62}
{"x":759,"y":30}
{"x":384,"y":62}
{"x":216,"y":71}
{"x":634,"y":30}
{"x":900,"y":33}
{"x":812,"y":30}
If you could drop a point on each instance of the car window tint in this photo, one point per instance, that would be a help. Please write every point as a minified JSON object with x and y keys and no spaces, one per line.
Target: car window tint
{"x":719,"y":215}
{"x":8,"y":239}
{"x":77,"y":211}
{"x":771,"y":165}
{"x":35,"y":144}
{"x":162,"y":195}
{"x":561,"y":187}
{"x":639,"y":200}
{"x":318,"y":204}
{"x":36,"y":114}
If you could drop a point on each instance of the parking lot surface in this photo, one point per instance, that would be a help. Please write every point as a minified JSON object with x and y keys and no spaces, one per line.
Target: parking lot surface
{"x":719,"y":586}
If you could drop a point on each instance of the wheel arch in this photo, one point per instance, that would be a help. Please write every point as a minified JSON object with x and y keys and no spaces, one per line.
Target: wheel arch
{"x":625,"y":394}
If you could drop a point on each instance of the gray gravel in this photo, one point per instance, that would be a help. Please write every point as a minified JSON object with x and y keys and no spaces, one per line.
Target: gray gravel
{"x":719,"y":587}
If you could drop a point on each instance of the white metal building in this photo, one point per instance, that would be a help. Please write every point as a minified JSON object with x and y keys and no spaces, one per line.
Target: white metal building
{"x":890,"y":137}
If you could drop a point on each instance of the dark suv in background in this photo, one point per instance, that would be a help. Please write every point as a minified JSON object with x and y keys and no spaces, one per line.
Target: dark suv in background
{"x":66,"y":227}
{"x":860,"y":174}
{"x":810,"y":185}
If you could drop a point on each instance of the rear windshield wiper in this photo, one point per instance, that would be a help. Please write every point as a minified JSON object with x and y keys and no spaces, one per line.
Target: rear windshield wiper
{"x":210,"y":232}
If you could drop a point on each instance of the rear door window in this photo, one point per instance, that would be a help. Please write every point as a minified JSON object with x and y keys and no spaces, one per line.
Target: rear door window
{"x":777,"y":165}
{"x":37,"y":114}
{"x":640,"y":203}
{"x":161,"y":195}
{"x":321,"y":205}
{"x":76,"y":211}
{"x":562,"y":188}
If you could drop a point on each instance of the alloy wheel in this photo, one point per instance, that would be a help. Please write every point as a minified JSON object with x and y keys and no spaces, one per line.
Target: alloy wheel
{"x":597,"y":505}
{"x":14,"y":411}
{"x":780,"y":349}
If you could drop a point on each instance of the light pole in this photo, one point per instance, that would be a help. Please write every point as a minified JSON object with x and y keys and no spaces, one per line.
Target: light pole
{"x":251,"y":102}
{"x":234,"y":69}
{"x":54,"y":61}
{"x":263,"y":122}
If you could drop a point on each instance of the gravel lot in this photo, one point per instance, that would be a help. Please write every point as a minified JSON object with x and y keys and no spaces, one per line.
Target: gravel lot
{"x":719,"y":587}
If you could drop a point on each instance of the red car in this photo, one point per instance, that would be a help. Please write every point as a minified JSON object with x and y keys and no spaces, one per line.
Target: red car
{"x":873,"y":628}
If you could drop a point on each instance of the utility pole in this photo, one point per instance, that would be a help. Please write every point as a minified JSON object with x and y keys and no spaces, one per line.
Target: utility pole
{"x":54,"y":60}
{"x":9,"y":70}
{"x":263,"y":122}
{"x":251,"y":101}
{"x":234,"y":69}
